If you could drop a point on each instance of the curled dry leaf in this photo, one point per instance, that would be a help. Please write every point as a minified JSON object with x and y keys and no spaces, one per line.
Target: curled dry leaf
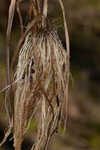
{"x":67,"y":60}
{"x":7,"y":99}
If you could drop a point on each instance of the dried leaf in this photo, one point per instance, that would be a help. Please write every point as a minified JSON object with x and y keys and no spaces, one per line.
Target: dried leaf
{"x":10,"y":20}
{"x":68,"y":61}
{"x":20,"y":16}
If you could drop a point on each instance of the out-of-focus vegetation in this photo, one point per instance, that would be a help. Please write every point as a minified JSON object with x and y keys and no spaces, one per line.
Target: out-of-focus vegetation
{"x":84,"y":26}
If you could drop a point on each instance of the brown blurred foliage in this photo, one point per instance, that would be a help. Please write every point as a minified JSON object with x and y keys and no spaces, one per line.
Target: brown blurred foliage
{"x":84,"y":26}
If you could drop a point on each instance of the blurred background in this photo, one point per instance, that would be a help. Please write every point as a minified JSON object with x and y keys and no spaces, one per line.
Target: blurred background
{"x":83,"y":17}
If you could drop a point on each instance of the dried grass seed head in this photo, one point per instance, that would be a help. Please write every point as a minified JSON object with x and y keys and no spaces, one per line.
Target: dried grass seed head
{"x":42,"y":52}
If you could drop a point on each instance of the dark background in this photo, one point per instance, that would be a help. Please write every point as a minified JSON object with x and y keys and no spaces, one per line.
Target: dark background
{"x":83,"y":17}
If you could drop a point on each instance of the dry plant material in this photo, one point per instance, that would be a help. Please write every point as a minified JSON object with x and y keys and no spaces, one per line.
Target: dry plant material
{"x":67,"y":64}
{"x":20,"y":16}
{"x":7,"y":98}
{"x":42,"y":77}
